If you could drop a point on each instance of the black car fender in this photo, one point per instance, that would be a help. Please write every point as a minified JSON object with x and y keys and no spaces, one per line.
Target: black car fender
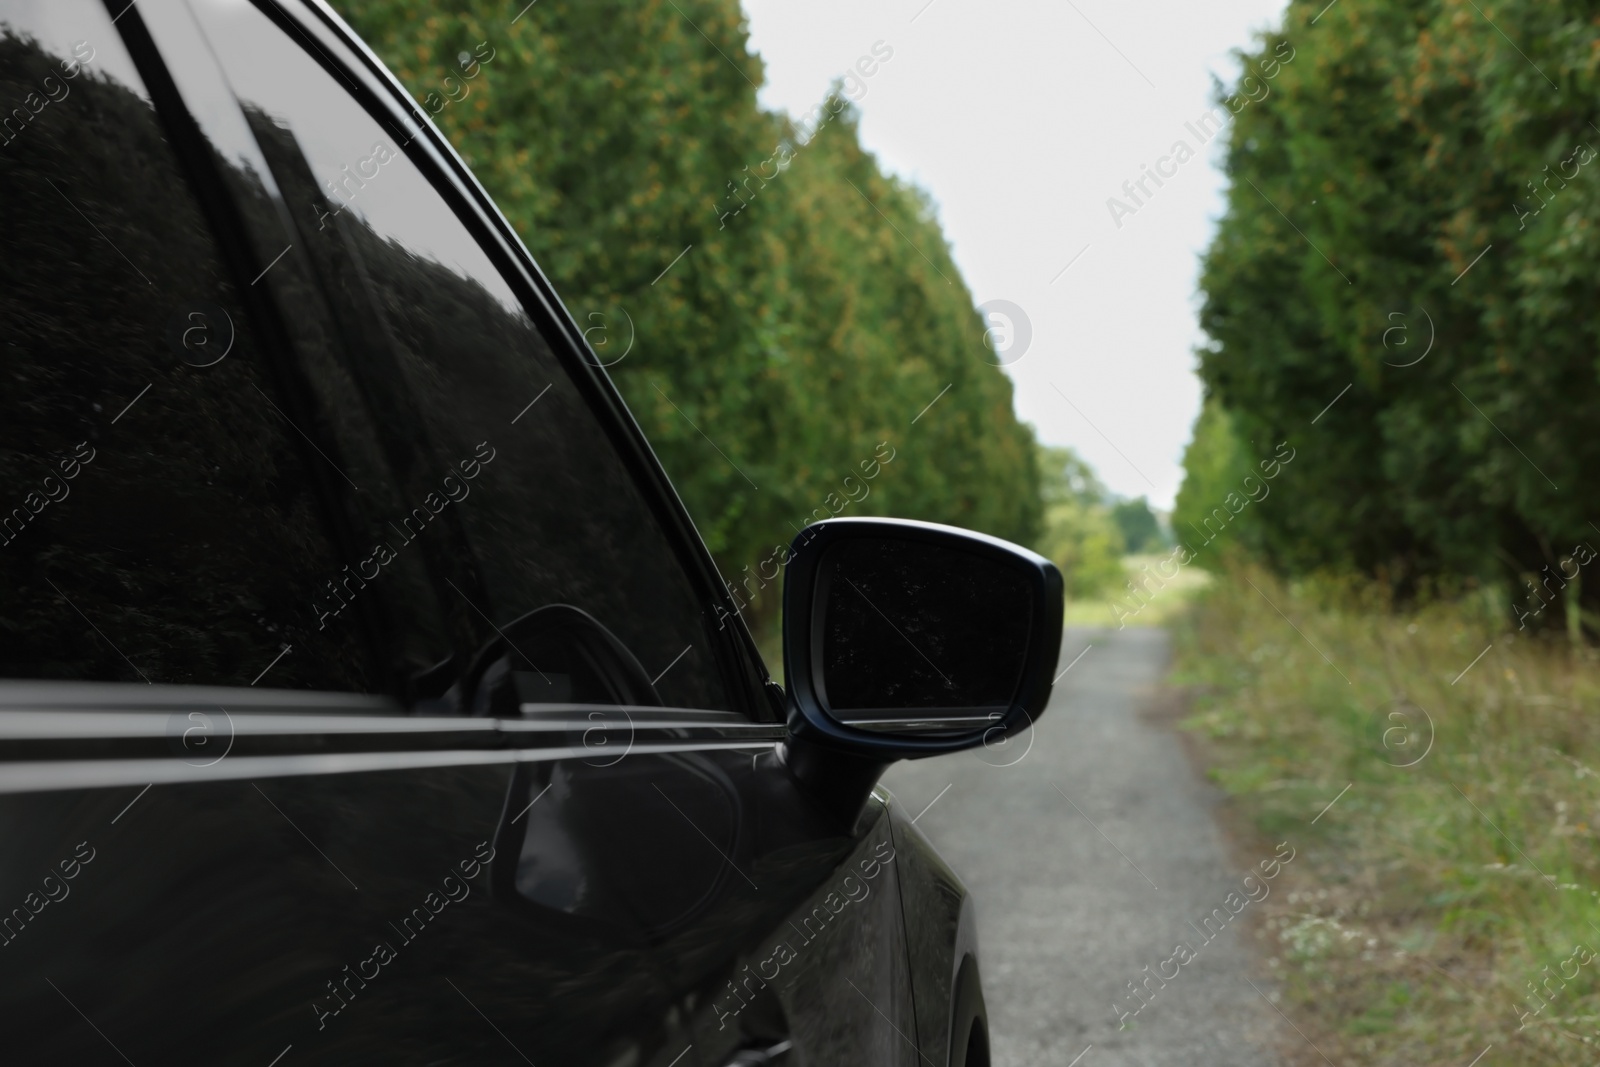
{"x":942,"y":946}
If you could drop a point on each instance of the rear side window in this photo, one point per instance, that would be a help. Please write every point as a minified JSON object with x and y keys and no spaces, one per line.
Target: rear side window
{"x":161,"y":517}
{"x":552,"y":516}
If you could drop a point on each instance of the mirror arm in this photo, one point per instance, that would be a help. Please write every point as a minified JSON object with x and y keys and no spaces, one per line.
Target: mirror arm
{"x":838,"y":783}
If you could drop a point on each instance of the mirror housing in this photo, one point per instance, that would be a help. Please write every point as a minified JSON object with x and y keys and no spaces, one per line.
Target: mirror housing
{"x":905,"y":639}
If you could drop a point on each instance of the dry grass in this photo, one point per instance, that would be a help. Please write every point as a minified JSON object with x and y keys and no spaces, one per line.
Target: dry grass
{"x":1429,"y":895}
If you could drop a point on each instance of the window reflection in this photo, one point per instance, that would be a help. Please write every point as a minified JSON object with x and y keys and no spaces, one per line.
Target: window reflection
{"x":159,"y":520}
{"x":505,"y":449}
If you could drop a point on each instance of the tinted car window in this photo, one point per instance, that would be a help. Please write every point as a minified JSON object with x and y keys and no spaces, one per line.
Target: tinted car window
{"x":166,"y":513}
{"x":552,"y":516}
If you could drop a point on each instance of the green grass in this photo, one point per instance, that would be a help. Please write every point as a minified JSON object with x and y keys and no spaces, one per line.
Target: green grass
{"x":1161,"y":607}
{"x":1430,"y":894}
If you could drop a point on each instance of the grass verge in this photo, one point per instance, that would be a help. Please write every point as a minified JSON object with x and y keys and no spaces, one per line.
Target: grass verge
{"x":1172,"y":598}
{"x":1447,"y":902}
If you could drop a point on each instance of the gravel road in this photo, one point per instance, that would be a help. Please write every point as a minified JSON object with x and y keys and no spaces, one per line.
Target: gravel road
{"x":1089,"y":857}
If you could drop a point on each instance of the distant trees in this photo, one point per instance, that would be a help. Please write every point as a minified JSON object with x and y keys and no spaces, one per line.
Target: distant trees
{"x":1214,"y":465}
{"x":1081,"y":535}
{"x":791,"y":310}
{"x":1141,"y":530}
{"x":1403,"y":289}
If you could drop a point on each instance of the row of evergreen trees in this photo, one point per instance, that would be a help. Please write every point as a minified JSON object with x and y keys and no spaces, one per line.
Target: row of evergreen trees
{"x":1403,"y":289}
{"x":791,"y":309}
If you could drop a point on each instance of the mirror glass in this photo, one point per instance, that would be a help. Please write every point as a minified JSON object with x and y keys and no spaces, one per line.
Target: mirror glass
{"x":918,"y":637}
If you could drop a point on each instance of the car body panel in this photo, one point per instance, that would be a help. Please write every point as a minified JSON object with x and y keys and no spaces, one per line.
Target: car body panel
{"x":396,"y":873}
{"x":941,"y":934}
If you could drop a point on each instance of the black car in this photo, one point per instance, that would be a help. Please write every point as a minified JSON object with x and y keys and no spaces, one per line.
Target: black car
{"x":368,"y":695}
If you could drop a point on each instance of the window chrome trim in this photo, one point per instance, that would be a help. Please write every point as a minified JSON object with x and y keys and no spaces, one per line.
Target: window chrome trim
{"x":41,"y":777}
{"x":90,"y":735}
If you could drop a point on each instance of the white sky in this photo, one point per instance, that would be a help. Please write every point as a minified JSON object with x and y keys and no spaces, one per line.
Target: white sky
{"x":1022,"y":118}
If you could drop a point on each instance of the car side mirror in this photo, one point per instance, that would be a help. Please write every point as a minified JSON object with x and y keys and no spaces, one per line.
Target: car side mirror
{"x":905,"y":639}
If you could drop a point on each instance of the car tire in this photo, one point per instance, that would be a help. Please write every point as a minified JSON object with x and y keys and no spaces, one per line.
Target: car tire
{"x":969,"y":1030}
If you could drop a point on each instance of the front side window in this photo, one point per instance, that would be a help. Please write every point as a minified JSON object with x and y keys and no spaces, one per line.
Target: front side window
{"x":162,"y":519}
{"x":511,"y":457}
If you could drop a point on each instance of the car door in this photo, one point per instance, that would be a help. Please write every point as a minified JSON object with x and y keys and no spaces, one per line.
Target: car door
{"x":500,"y":787}
{"x":679,"y":825}
{"x":244,"y":818}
